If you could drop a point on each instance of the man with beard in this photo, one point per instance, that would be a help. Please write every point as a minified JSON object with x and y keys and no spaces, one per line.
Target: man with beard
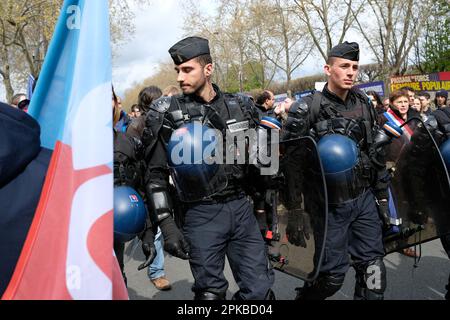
{"x":218,"y":217}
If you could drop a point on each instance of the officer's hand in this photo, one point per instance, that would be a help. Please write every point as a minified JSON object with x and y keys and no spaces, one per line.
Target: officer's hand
{"x":383,"y":211}
{"x":298,"y":228}
{"x":149,"y":250}
{"x":174,"y":242}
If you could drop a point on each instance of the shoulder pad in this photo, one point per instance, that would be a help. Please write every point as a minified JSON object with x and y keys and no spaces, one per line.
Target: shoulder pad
{"x":308,"y":99}
{"x":300,"y":107}
{"x":161,"y":105}
{"x":245,"y":99}
{"x":362,"y":96}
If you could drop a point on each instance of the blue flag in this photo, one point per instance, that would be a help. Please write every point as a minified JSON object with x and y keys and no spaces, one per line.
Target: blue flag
{"x":68,"y":253}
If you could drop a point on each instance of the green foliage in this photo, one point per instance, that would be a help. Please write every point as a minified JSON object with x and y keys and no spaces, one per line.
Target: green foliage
{"x":250,"y":78}
{"x":436,"y":51}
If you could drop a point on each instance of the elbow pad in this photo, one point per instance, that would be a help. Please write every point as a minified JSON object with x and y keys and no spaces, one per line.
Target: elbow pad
{"x":159,"y":204}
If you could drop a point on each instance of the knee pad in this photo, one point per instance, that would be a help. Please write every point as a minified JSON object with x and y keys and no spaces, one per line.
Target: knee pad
{"x":323,"y":287}
{"x":210,"y":295}
{"x":370,"y":280}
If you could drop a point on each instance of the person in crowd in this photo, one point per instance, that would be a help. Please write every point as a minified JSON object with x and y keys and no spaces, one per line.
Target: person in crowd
{"x":386,"y":103}
{"x":425,"y":104}
{"x":411,"y":93}
{"x":400,"y":106}
{"x":399,"y":109}
{"x":135,"y":111}
{"x":145,"y":99}
{"x":417,"y":105}
{"x":265,"y":102}
{"x":376,"y":101}
{"x":124,"y":120}
{"x":441,"y":99}
{"x":171,"y":91}
{"x":23,"y":168}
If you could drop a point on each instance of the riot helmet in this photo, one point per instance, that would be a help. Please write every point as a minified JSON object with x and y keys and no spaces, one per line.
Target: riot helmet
{"x":340,"y":157}
{"x":195,"y":160}
{"x":129,"y":213}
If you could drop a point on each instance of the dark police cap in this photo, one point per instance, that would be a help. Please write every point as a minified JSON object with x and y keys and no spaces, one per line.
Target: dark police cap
{"x":346,"y":50}
{"x":188,"y":49}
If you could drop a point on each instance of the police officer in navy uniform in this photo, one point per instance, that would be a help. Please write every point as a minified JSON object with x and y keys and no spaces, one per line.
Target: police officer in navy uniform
{"x":221,"y":222}
{"x":439,"y":125}
{"x":344,"y":118}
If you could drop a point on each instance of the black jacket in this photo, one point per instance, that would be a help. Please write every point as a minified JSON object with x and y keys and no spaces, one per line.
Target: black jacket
{"x":156,"y":153}
{"x":23,"y":165}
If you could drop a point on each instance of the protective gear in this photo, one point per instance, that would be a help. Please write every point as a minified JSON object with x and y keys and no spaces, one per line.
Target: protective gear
{"x":298,"y":121}
{"x":298,"y":253}
{"x":339,"y":155}
{"x":353,"y":227}
{"x":127,"y":166}
{"x":174,"y":242}
{"x":148,"y":248}
{"x":298,"y":229}
{"x":159,"y":204}
{"x":383,"y":138}
{"x":383,"y":210}
{"x":192,"y":159}
{"x":370,"y":280}
{"x":323,"y":287}
{"x":129,"y":213}
{"x":420,"y":187}
{"x":210,"y":295}
{"x":205,"y":226}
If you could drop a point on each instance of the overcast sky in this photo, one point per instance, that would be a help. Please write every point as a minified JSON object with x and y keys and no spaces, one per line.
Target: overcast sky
{"x":157,"y":29}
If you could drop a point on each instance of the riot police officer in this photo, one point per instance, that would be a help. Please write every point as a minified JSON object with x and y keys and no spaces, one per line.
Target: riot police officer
{"x":342,"y":120}
{"x":128,"y":171}
{"x":218,"y":217}
{"x":439,"y":123}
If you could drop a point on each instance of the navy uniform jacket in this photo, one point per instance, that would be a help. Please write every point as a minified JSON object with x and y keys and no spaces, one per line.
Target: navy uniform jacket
{"x":23,"y":165}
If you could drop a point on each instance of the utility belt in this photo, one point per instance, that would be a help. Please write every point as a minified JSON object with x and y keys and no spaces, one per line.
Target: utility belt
{"x":219,"y":199}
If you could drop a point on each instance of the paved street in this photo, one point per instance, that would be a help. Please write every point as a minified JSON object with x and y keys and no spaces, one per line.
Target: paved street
{"x":404,"y":281}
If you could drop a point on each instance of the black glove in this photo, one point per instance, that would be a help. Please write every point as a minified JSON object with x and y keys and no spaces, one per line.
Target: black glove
{"x":174,"y":242}
{"x":298,"y":227}
{"x":383,"y":211}
{"x":148,"y":248}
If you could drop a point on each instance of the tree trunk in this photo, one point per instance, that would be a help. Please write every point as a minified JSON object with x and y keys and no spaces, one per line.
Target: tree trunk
{"x":5,"y":72}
